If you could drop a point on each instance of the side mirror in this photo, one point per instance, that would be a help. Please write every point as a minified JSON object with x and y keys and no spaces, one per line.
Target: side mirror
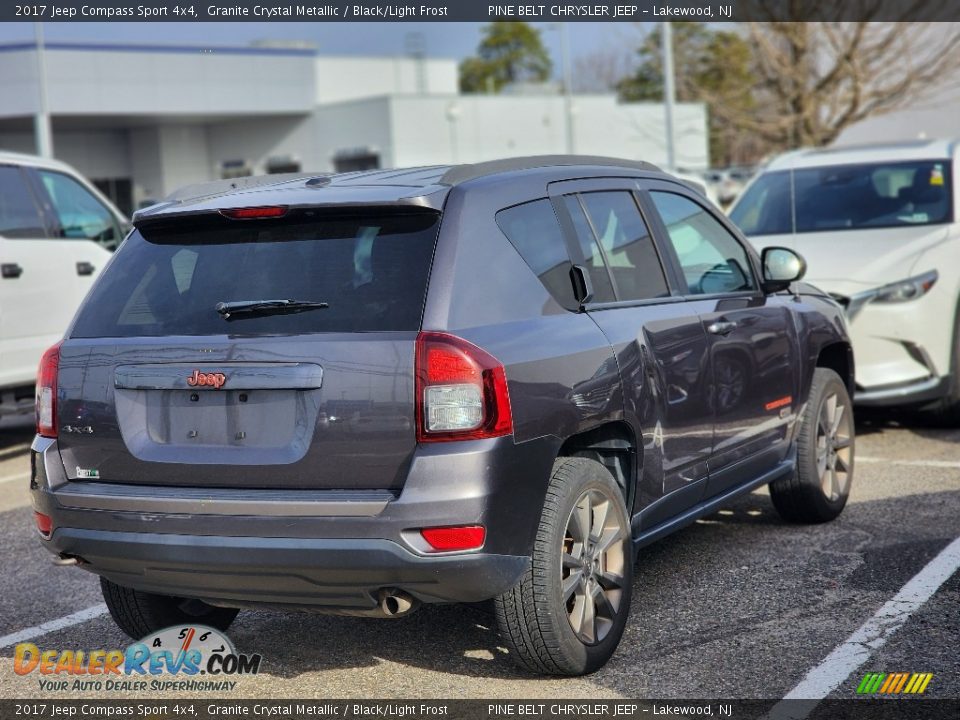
{"x":781,"y":266}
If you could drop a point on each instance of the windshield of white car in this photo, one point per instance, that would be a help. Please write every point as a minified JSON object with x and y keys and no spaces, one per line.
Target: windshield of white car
{"x":847,"y":197}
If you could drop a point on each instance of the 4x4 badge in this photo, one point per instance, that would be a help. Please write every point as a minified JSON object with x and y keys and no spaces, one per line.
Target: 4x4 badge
{"x":214,"y":380}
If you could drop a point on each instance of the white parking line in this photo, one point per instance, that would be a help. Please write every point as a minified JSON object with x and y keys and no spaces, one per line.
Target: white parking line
{"x":871,"y":636}
{"x":48,"y":627}
{"x":15,"y":478}
{"x":910,"y":463}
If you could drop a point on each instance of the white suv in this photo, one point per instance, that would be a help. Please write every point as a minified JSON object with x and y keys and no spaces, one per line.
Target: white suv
{"x":56,"y":233}
{"x":878,"y":227}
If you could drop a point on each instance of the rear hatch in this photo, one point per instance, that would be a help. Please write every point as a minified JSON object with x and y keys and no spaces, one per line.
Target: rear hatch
{"x":158,"y":387}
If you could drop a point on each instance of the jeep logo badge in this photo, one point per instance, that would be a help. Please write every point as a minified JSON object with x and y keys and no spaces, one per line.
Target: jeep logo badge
{"x":214,"y":380}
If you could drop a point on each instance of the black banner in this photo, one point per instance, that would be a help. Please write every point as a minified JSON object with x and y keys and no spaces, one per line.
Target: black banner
{"x":476,"y":10}
{"x":866,"y":709}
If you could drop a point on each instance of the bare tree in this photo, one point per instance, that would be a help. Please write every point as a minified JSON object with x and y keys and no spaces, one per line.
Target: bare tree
{"x":816,"y":78}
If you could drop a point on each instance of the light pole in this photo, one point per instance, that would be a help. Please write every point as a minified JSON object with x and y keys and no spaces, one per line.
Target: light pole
{"x":567,"y":70}
{"x":41,"y":121}
{"x":567,"y":85}
{"x":669,"y":94}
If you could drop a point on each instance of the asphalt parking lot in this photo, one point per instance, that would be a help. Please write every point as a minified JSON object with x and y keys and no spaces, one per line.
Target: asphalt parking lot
{"x":739,"y":605}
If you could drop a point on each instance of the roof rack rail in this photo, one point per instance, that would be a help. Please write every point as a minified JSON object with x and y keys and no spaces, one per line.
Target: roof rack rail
{"x":462,"y":173}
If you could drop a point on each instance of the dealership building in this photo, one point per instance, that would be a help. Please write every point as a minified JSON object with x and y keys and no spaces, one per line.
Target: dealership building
{"x":141,"y":121}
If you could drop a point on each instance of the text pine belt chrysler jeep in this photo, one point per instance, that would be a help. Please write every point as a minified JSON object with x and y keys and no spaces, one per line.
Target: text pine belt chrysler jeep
{"x":364,"y":392}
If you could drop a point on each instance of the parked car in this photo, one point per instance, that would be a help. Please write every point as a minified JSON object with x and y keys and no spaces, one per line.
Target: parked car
{"x":727,"y":183}
{"x":699,"y":184}
{"x":878,"y":227}
{"x":360,"y":393}
{"x":57,"y":232}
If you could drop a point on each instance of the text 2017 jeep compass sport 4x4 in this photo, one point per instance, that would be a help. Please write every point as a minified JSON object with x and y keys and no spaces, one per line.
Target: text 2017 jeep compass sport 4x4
{"x":364,"y":392}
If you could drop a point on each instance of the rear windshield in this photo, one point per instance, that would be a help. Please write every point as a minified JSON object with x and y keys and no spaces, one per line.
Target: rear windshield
{"x":847,"y":197}
{"x":167,"y":280}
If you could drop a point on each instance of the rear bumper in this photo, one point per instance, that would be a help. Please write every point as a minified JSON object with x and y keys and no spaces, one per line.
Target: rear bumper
{"x":326,"y":550}
{"x":286,"y":572}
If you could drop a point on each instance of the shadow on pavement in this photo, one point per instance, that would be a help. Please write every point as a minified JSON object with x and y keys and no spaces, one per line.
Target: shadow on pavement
{"x":16,"y":434}
{"x":870,"y":421}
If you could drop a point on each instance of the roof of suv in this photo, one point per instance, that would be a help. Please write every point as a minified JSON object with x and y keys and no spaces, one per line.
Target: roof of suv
{"x":420,"y":186}
{"x":875,"y":152}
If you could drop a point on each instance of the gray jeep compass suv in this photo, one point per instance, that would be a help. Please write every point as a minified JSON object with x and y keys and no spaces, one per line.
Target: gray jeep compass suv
{"x":364,"y":392}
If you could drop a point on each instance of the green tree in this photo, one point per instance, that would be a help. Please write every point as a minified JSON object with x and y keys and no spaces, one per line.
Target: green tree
{"x":509,"y":52}
{"x":711,"y":66}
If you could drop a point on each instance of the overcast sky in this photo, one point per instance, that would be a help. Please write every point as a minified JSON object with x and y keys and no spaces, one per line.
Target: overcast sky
{"x":442,"y":39}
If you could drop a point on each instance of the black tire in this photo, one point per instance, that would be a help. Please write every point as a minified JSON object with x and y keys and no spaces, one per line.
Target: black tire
{"x":946,"y":412}
{"x":535,"y":620}
{"x":817,"y":492}
{"x":139,"y":614}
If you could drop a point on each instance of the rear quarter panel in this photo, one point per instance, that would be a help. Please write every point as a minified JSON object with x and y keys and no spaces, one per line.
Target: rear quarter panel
{"x":482,"y":290}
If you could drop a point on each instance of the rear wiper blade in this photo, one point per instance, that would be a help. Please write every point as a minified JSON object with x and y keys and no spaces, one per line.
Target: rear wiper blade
{"x":241,"y":308}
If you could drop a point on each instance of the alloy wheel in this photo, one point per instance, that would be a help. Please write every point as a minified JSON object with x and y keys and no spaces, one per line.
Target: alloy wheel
{"x":593,"y":562}
{"x":834,"y":447}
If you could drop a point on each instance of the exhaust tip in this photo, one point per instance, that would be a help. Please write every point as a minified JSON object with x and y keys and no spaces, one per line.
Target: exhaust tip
{"x":397,"y":603}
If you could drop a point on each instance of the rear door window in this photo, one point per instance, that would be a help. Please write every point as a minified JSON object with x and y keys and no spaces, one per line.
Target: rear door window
{"x":627,"y":245}
{"x":533,"y":229}
{"x":590,"y":249}
{"x":167,"y":279}
{"x":19,"y":214}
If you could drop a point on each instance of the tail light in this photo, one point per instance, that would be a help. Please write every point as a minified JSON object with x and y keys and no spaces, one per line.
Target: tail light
{"x":47,"y":392}
{"x":461,"y":391}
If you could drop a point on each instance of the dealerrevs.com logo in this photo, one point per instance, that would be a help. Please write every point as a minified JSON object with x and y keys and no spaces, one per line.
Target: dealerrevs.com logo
{"x":180,"y":658}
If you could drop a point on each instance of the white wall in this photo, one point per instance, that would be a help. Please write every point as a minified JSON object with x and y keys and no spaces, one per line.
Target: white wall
{"x":255,"y":140}
{"x":115,"y":80}
{"x":146,"y":164}
{"x":350,"y":78}
{"x":21,"y":142}
{"x":637,"y":131}
{"x":356,"y":125}
{"x":101,"y":153}
{"x":488,"y":127}
{"x":184,"y":154}
{"x":129,"y":82}
{"x":18,"y":83}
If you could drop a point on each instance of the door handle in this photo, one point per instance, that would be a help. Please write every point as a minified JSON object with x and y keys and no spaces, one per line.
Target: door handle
{"x":10,"y":271}
{"x":582,"y":287}
{"x":85,"y":268}
{"x":721,"y":327}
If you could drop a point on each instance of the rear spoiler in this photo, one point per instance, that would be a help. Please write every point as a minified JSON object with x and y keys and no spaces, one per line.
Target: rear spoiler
{"x":213,"y":188}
